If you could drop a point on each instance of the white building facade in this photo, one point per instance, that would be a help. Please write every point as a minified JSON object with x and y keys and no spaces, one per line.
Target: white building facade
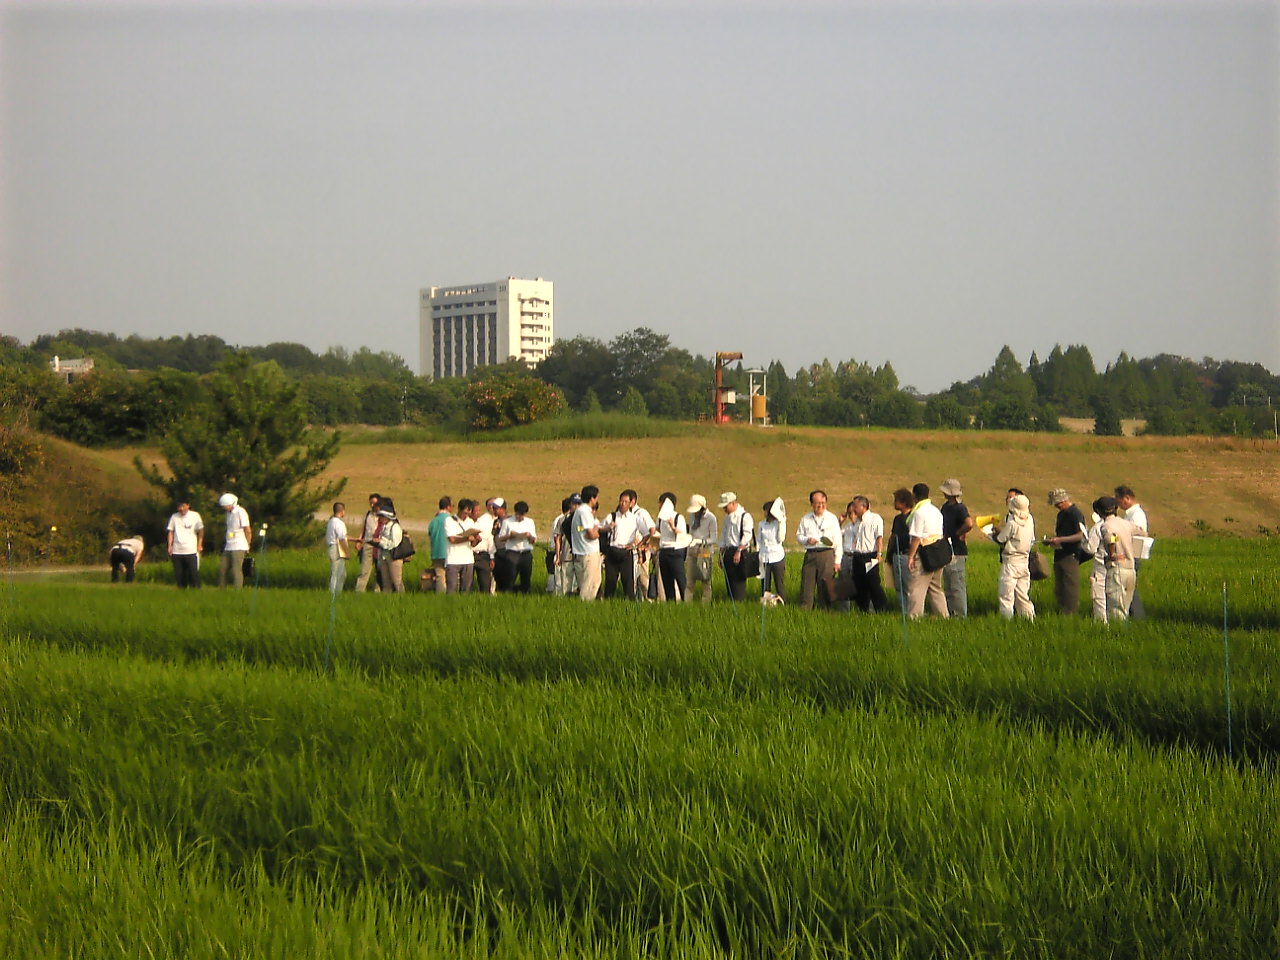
{"x":464,"y":327}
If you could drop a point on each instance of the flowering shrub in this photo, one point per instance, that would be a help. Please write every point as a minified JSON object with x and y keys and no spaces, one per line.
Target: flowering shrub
{"x":507,"y":399}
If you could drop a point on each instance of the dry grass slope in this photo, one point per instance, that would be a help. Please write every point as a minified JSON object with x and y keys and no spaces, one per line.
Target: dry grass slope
{"x":1187,"y":484}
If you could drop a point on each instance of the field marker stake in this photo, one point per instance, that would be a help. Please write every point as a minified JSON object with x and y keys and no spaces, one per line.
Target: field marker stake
{"x":259,"y":570}
{"x":1226,"y":661}
{"x":8,"y":560}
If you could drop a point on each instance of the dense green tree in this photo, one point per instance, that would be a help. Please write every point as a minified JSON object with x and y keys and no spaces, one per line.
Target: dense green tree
{"x":943,"y":411}
{"x":633,"y":403}
{"x":248,"y":435}
{"x":382,"y":402}
{"x":1008,"y":393}
{"x":1165,"y":421}
{"x":331,"y":401}
{"x":1124,"y":383}
{"x":591,"y":403}
{"x":578,"y":366}
{"x":1106,"y":417}
{"x":895,"y":409}
{"x":504,"y":398}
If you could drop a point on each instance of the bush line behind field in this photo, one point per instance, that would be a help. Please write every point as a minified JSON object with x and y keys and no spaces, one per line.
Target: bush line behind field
{"x":1161,"y":683}
{"x":573,"y":426}
{"x":771,"y":820}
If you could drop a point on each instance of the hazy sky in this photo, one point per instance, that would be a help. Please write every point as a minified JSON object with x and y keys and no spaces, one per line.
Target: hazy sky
{"x":910,"y":182}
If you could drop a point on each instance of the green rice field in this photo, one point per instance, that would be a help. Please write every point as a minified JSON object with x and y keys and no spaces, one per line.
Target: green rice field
{"x":265,"y":774}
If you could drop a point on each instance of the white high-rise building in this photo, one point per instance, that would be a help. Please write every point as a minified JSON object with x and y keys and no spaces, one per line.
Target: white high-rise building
{"x":464,"y":327}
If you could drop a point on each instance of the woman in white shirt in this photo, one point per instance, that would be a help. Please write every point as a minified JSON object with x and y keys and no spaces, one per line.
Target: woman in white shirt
{"x":673,"y":548}
{"x":1017,"y":538}
{"x":390,"y":533}
{"x":771,"y":534}
{"x":517,"y":536}
{"x":1096,"y":547}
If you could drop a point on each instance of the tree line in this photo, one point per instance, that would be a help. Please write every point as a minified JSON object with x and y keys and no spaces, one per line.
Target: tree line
{"x":141,"y":386}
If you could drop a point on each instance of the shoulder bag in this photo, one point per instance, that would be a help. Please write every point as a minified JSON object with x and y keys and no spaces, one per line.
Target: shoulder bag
{"x":404,"y":549}
{"x":934,"y":556}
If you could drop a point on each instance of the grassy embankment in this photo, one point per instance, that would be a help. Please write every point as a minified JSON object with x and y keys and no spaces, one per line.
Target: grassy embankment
{"x":1189,"y":485}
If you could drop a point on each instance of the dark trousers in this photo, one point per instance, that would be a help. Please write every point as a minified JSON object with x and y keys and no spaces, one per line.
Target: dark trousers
{"x":186,"y":570}
{"x":735,"y":577}
{"x":504,"y":574}
{"x":671,"y":569}
{"x":121,"y":557}
{"x":773,"y":577}
{"x":819,"y":565}
{"x":619,"y":564}
{"x":868,"y":592}
{"x":521,"y":565}
{"x":1066,"y":583}
{"x":482,"y":582}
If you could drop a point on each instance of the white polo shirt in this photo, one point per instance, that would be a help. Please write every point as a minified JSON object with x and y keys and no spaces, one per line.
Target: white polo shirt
{"x":185,"y":530}
{"x":459,"y":554}
{"x":584,"y":520}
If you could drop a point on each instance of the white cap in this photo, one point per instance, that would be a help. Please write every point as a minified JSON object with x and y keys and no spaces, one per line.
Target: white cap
{"x":697,"y":502}
{"x":228,"y":500}
{"x":727,"y":498}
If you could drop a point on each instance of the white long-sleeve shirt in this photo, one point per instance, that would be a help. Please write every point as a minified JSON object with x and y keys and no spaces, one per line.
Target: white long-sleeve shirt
{"x":771,"y":535}
{"x":814,"y":527}
{"x":737,"y":529}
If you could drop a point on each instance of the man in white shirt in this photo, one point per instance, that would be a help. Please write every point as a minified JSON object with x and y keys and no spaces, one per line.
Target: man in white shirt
{"x":924,"y":526}
{"x":864,"y":544}
{"x":459,"y":561}
{"x":584,"y":535}
{"x":735,"y":540}
{"x":125,"y":555}
{"x":819,"y":534}
{"x":239,"y":537}
{"x":367,"y":541}
{"x":566,"y":576}
{"x":335,"y":542}
{"x":623,"y":527}
{"x":1127,"y":506}
{"x":517,"y":536}
{"x":184,"y":539}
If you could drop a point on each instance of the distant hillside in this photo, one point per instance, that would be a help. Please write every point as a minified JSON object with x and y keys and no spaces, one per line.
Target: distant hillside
{"x":92,"y":501}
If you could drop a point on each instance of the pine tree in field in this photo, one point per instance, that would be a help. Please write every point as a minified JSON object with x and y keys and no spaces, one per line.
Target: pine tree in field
{"x":249,"y":436}
{"x":1106,"y":418}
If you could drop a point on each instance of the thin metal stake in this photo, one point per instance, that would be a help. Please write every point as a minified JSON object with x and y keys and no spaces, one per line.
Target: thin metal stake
{"x":1226,"y":661}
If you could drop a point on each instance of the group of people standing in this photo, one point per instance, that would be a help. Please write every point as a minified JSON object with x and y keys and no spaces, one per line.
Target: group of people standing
{"x":673,"y":555}
{"x":184,"y":543}
{"x":1111,"y":543}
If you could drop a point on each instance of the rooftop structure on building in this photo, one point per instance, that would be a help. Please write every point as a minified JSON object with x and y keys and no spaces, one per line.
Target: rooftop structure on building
{"x":471,"y":325}
{"x":70,"y":370}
